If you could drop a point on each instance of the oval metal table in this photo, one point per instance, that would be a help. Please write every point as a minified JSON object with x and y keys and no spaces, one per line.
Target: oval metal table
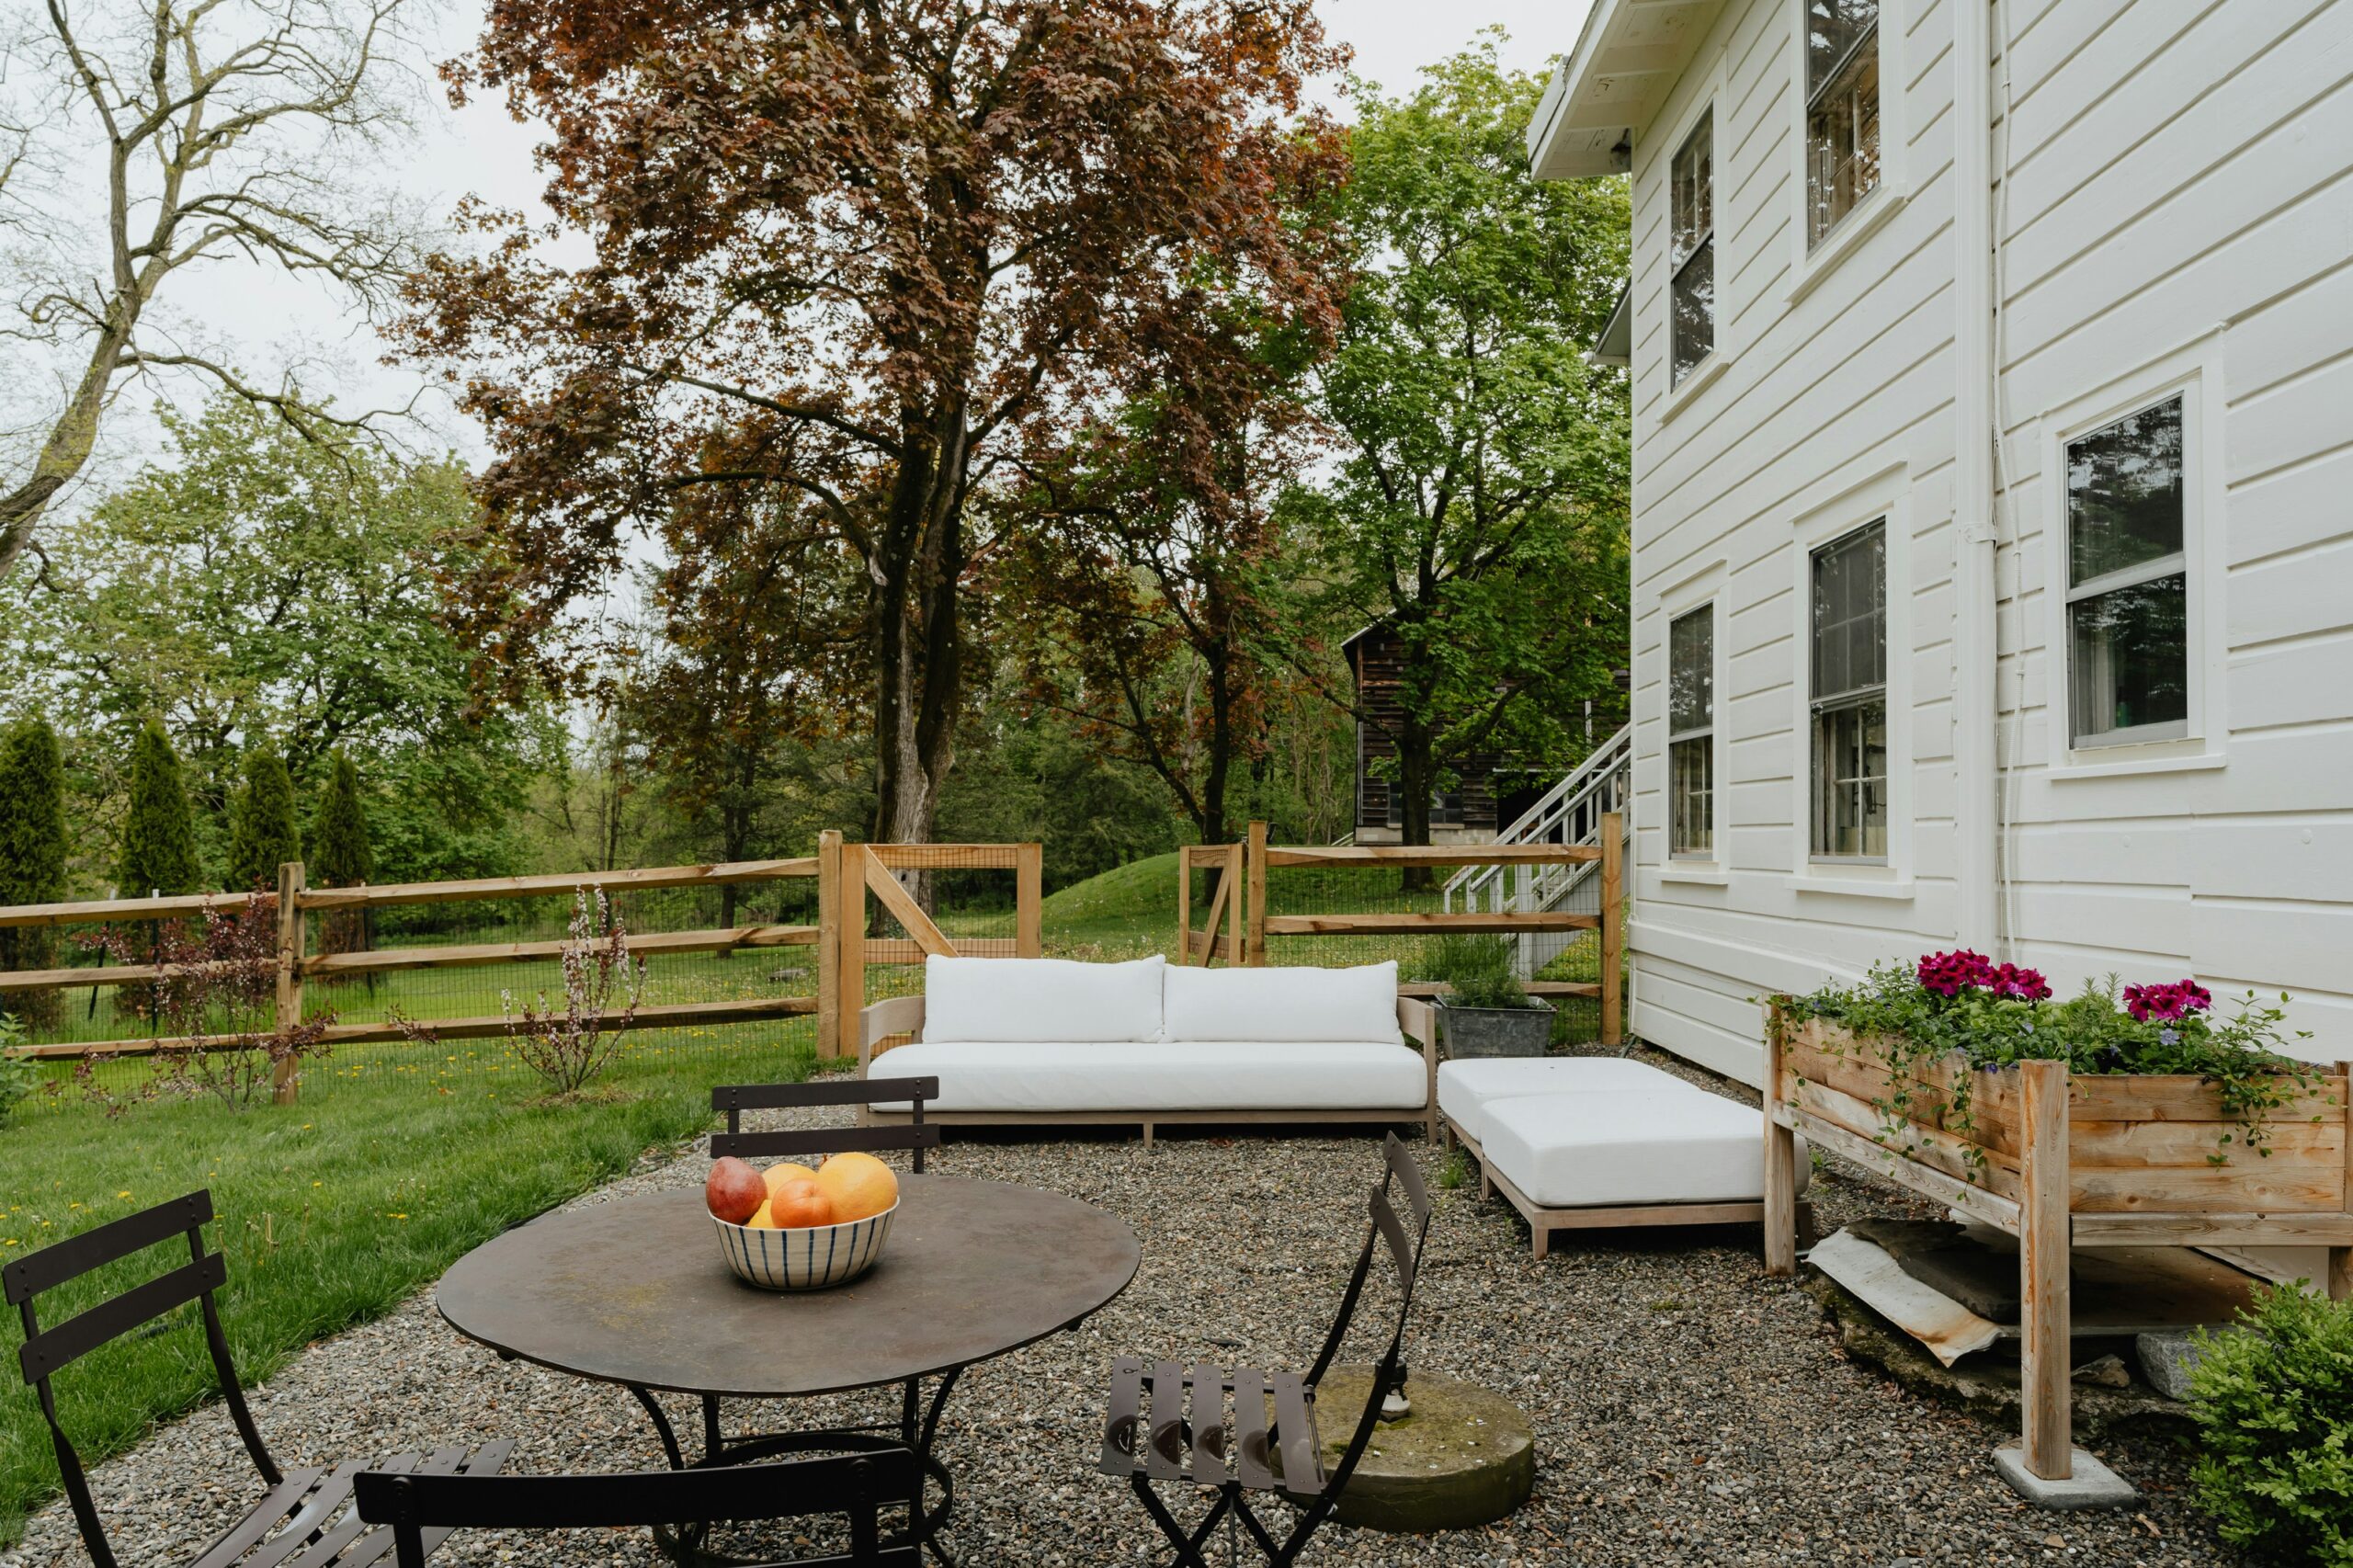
{"x":634,"y":1292}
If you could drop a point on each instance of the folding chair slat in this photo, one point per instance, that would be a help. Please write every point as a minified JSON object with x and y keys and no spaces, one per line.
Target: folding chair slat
{"x":283,"y":1497}
{"x":824,"y":1140}
{"x":1126,"y":1407}
{"x":1295,"y":1430}
{"x":49,"y":1350}
{"x":488,"y":1460}
{"x":1250,"y":1454}
{"x":316,"y":1514}
{"x":1164,"y":1457}
{"x":1392,"y":1231}
{"x":1209,"y":1423}
{"x":60,"y":1261}
{"x":852,"y":1091}
{"x":1409,"y":1177}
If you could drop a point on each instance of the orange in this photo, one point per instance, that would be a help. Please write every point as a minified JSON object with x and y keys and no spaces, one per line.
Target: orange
{"x":778,"y":1174}
{"x":859,"y":1185}
{"x":799,"y":1204}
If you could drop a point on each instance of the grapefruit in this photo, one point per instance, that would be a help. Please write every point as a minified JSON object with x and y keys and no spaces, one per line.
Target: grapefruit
{"x":859,"y":1185}
{"x":763,"y":1219}
{"x":778,"y":1174}
{"x":799,"y":1203}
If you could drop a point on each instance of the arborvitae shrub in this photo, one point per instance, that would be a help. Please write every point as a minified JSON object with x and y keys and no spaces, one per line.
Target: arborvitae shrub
{"x":262,"y":831}
{"x":339,"y":854}
{"x":32,"y":856}
{"x":158,"y":833}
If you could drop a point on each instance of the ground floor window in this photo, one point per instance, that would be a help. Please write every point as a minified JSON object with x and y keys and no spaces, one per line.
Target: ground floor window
{"x":1849,"y":695}
{"x":1690,"y":733}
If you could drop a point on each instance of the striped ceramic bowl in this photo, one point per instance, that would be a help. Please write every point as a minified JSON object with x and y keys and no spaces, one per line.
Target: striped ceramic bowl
{"x":810,"y":1259}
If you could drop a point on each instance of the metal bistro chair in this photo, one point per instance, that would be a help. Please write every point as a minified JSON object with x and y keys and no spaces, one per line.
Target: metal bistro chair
{"x":1283,"y":1457}
{"x":857,"y":1485}
{"x":303,"y":1514}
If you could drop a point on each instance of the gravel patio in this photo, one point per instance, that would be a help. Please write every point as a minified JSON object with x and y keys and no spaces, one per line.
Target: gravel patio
{"x":1687,"y":1409}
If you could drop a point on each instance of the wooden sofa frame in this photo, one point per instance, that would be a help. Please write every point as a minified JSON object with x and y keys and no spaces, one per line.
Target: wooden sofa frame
{"x":1542,"y":1222}
{"x":904,"y":1016}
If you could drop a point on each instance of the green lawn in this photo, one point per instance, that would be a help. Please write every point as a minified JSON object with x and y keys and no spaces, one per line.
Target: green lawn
{"x":332,"y":1210}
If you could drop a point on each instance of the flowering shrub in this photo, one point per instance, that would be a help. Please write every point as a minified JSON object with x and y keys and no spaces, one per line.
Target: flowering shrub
{"x":1997,"y":1016}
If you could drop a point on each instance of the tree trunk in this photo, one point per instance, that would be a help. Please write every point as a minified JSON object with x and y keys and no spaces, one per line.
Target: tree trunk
{"x":1415,"y":774}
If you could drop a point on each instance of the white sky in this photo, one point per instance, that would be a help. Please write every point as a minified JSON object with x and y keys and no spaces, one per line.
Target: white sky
{"x":268,"y":323}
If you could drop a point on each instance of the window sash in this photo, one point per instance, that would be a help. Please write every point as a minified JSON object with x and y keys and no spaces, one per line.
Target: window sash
{"x":1843,"y":172}
{"x":1854,"y":566}
{"x":2107,"y":669}
{"x":1850,"y":805}
{"x":1691,"y":792}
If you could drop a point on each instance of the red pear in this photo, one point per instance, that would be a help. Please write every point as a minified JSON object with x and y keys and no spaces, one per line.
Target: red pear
{"x":735,"y":1191}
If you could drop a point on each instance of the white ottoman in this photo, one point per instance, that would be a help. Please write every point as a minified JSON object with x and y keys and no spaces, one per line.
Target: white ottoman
{"x":1465,"y":1087}
{"x":1673,"y":1158}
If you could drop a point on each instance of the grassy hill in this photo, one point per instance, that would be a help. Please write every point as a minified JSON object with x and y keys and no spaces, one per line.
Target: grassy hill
{"x":1130,"y":910}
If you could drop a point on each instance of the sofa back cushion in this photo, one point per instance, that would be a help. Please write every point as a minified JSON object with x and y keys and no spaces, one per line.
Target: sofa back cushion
{"x":1283,"y":1004}
{"x":1033,"y":1000}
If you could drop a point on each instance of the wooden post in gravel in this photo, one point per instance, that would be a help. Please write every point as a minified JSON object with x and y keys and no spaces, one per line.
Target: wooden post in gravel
{"x":2340,"y":1259}
{"x":285,"y":1079}
{"x":1613,"y":928}
{"x":1029,"y":901}
{"x":830,"y":1033}
{"x":2044,"y":1237}
{"x":1254,"y":880}
{"x":1780,"y":1166}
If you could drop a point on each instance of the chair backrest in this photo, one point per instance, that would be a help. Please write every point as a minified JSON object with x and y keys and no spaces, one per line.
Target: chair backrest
{"x":48,"y":1351}
{"x":857,"y":1485}
{"x":736,"y":1098}
{"x":1402,"y":1238}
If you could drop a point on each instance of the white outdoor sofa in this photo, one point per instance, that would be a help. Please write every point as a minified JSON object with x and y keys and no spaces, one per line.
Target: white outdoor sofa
{"x":1582,"y":1141}
{"x":1042,"y":1042}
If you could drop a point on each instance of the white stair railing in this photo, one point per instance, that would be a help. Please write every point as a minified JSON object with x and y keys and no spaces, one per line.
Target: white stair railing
{"x":1569,"y":813}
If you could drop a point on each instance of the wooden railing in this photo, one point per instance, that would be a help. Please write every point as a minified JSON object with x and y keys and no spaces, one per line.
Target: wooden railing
{"x":846,"y":875}
{"x":1260,"y":859}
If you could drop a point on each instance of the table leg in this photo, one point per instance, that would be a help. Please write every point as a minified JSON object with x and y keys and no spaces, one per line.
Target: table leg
{"x":660,"y":1427}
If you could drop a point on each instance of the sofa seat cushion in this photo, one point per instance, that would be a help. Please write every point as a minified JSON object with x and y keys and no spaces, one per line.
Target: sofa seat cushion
{"x":1582,"y":1151}
{"x":1466,"y":1088}
{"x":1018,"y":1000}
{"x":1049,"y":1075}
{"x":1291,"y":1002}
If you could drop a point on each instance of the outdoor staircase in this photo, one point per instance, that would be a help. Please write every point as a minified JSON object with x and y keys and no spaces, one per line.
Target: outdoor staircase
{"x":1569,"y":813}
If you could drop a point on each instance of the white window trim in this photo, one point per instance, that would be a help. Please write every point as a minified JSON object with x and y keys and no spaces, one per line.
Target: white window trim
{"x":1676,"y":396}
{"x":1810,"y":264}
{"x":1708,"y":584}
{"x":2194,"y":373}
{"x":1888,"y":494}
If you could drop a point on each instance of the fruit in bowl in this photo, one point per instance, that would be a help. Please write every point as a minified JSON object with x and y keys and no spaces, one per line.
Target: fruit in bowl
{"x":803,"y":1230}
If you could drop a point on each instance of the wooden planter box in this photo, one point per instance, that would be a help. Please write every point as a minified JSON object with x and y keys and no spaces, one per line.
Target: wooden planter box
{"x":2060,"y":1162}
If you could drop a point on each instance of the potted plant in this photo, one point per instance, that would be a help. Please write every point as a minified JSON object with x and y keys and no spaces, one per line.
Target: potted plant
{"x":1486,"y":1011}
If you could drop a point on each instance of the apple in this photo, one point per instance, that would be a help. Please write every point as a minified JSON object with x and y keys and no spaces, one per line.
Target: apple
{"x":735,"y":1191}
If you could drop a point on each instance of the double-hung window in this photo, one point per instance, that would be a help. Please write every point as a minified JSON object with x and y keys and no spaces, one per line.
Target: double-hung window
{"x":1690,"y":733}
{"x":1691,"y":260}
{"x":2128,"y":581}
{"x":1849,"y":695}
{"x":1842,"y":118}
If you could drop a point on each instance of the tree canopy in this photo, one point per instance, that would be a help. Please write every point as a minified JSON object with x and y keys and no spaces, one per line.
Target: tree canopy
{"x":867,"y":256}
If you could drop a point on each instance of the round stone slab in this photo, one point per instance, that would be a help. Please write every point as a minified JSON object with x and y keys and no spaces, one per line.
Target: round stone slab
{"x":1464,"y":1456}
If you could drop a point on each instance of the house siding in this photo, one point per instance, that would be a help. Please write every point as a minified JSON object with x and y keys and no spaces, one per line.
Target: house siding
{"x":2177,"y":192}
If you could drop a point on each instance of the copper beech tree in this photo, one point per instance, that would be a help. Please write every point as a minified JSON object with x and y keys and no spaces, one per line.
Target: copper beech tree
{"x":870,"y":254}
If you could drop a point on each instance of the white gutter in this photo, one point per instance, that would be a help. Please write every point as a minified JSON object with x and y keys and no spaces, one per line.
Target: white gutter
{"x":1976,"y":652}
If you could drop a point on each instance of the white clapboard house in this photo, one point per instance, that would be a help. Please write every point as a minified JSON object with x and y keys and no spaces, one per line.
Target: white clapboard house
{"x":1993,"y":383}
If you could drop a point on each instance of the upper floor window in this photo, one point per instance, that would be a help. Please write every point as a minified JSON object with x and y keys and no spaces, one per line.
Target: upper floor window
{"x":1691,"y":259}
{"x":1850,"y":706}
{"x":2128,"y":581}
{"x":1841,"y":109}
{"x":1690,"y":733}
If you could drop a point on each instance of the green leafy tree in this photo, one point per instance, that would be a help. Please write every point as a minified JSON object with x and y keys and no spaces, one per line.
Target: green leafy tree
{"x":158,"y":831}
{"x":262,"y":834}
{"x":1477,"y":506}
{"x":339,"y":856}
{"x":32,"y":851}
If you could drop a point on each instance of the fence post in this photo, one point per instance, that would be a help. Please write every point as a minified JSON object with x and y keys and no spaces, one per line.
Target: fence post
{"x":2045,"y":1229}
{"x":1184,"y":904}
{"x":1029,"y":897}
{"x":1253,"y":887}
{"x":1613,"y":928}
{"x":849,"y":985}
{"x":1233,"y":870}
{"x":285,"y":1079}
{"x":829,"y":935}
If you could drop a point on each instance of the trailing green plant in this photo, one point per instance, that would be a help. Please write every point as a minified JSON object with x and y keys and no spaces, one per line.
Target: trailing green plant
{"x":19,"y":1076}
{"x":1960,"y":1006}
{"x":1479,"y":971}
{"x":2273,"y":1400}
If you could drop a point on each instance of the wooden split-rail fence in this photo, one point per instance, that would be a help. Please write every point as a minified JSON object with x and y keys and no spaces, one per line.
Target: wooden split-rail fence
{"x":1238,"y":923}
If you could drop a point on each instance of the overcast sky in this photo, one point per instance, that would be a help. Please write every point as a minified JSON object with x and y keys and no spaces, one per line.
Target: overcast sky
{"x":268,"y":321}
